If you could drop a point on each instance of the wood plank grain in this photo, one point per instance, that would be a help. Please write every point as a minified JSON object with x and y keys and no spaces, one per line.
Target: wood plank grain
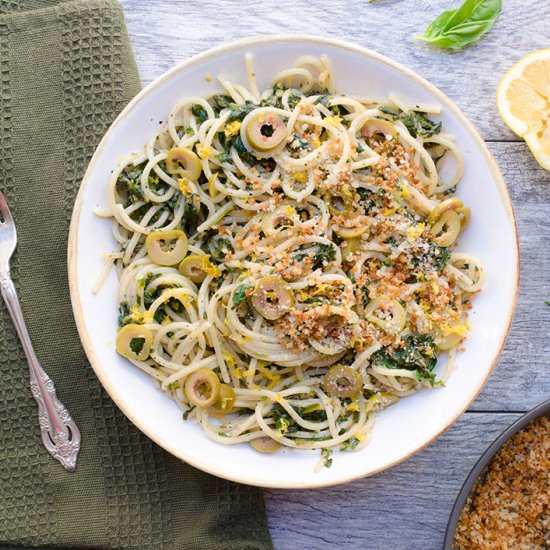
{"x":165,"y":32}
{"x":520,"y":380}
{"x":404,"y":508}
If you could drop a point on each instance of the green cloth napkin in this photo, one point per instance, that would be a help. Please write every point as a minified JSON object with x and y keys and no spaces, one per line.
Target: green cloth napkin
{"x":66,"y":70}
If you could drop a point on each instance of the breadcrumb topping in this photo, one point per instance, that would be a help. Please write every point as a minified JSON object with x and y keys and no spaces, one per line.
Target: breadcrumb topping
{"x":509,"y":508}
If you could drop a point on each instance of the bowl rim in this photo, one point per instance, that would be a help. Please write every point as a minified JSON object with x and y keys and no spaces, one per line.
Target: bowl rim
{"x":483,"y":462}
{"x":239,"y":45}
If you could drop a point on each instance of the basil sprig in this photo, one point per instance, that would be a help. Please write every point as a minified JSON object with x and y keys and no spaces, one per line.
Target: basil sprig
{"x":468,"y":23}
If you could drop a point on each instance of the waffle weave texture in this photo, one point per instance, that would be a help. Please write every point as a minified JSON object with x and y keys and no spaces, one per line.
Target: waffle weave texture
{"x":66,"y":71}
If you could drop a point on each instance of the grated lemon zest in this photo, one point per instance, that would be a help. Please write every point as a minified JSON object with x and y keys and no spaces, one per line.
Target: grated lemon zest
{"x":415,"y":232}
{"x":209,"y":268}
{"x":333,"y":120}
{"x":301,"y":177}
{"x":205,"y":152}
{"x":460,"y":330}
{"x":232,"y":128}
{"x":149,"y":317}
{"x":184,"y":186}
{"x":136,"y":315}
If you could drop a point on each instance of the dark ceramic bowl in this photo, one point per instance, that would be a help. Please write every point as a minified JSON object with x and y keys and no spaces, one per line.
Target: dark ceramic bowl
{"x":482,"y":464}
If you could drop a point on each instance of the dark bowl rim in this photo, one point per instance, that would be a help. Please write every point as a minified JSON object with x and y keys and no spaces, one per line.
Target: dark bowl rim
{"x":540,"y":410}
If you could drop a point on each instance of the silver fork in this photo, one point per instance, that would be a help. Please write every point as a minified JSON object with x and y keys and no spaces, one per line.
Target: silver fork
{"x":60,"y":434}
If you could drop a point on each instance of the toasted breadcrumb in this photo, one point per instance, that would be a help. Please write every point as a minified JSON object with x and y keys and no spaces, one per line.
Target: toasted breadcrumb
{"x":509,"y":508}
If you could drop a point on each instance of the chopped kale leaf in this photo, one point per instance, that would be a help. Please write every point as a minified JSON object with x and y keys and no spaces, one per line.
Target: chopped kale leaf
{"x":285,"y":422}
{"x":416,"y":122}
{"x":325,"y":253}
{"x":129,"y":182}
{"x":299,"y":256}
{"x":219,"y":246}
{"x":298,"y":143}
{"x":418,"y":354}
{"x":123,"y":314}
{"x":224,"y":157}
{"x":160,"y":314}
{"x":293,"y":100}
{"x":350,"y":444}
{"x":240,"y":294}
{"x":238,"y":112}
{"x":367,"y":198}
{"x":435,"y":255}
{"x":222,"y":101}
{"x":442,"y":258}
{"x":200,"y":112}
{"x":390,"y":111}
{"x":365,"y":298}
{"x":326,"y":456}
{"x":272,"y":101}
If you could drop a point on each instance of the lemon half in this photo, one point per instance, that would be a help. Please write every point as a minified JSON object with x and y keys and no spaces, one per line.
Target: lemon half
{"x":523,"y":102}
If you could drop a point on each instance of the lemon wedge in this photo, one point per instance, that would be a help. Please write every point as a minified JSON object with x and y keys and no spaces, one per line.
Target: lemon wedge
{"x":523,"y":102}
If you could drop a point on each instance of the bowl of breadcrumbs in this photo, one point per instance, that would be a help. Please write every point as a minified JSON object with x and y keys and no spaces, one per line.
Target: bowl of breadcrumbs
{"x":505,"y":501}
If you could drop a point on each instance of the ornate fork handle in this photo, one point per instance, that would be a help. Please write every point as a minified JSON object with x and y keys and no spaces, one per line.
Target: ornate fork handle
{"x":60,"y":433}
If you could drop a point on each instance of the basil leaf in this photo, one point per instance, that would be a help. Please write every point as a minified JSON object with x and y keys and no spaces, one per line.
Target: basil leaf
{"x":456,"y":28}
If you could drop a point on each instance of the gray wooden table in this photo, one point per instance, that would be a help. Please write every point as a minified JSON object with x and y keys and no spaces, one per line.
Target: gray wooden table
{"x":406,"y":507}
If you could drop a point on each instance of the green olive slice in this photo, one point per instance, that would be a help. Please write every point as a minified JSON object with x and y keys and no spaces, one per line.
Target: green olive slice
{"x":202,"y":388}
{"x":464,"y":214}
{"x":212,"y":184}
{"x":448,"y":341}
{"x":272,"y":298}
{"x":265,"y":131}
{"x":226,"y":400}
{"x":192,"y":267}
{"x":339,"y":205}
{"x":435,"y":150}
{"x":449,"y":204}
{"x":350,"y":232}
{"x":134,"y":342}
{"x":352,"y":246}
{"x":380,"y":401}
{"x":281,"y":218}
{"x":378,"y":126}
{"x":446,"y":228}
{"x":265,"y":444}
{"x":393,"y":316}
{"x":160,"y":252}
{"x":181,"y":161}
{"x":342,"y":381}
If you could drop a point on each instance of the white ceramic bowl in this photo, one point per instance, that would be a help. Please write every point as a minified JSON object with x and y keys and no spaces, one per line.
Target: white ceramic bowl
{"x":400,"y":430}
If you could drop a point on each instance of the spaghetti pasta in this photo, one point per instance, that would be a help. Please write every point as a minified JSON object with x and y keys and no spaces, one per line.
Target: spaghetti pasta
{"x":285,"y":258}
